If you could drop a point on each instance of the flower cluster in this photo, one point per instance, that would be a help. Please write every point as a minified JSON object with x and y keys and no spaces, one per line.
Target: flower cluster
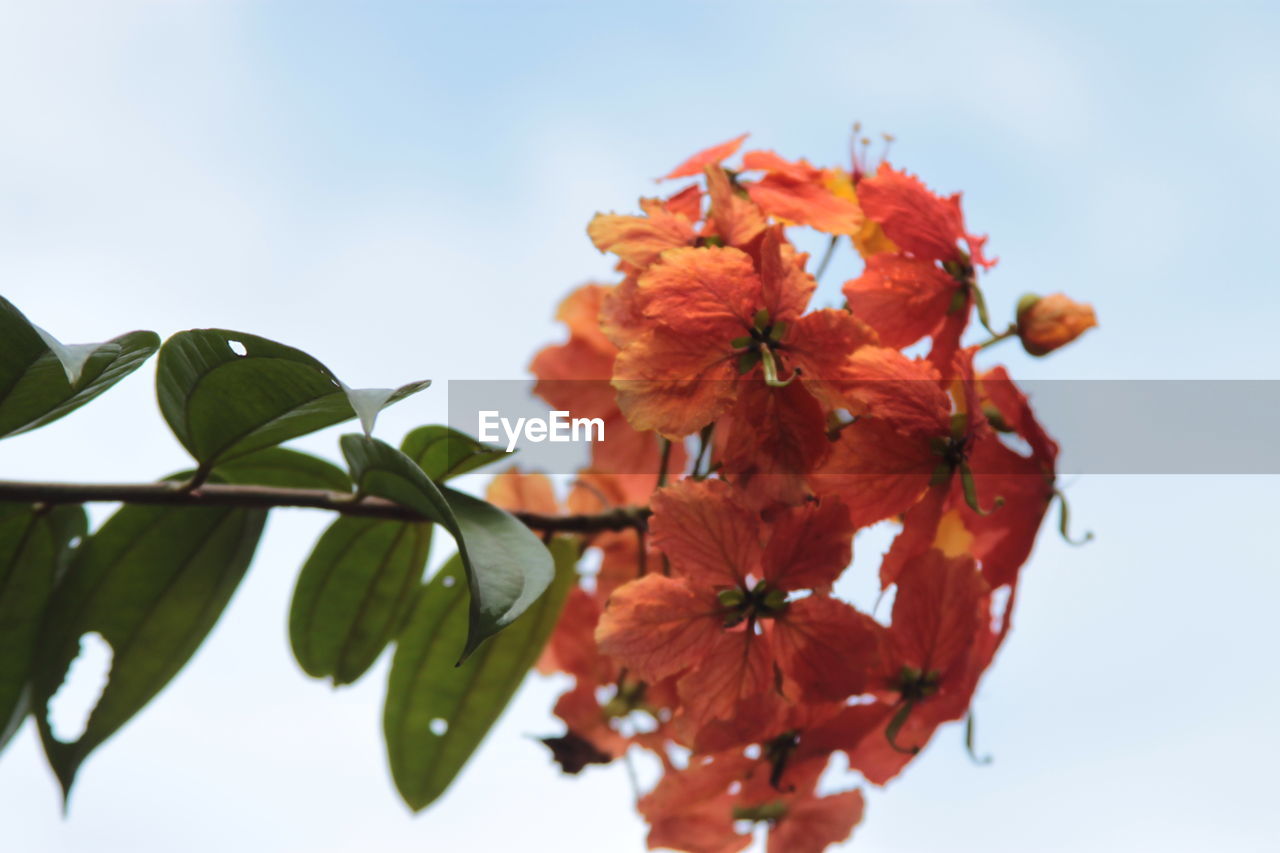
{"x":712,"y":634}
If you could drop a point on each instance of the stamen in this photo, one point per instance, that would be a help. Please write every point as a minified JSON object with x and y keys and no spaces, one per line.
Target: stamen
{"x":771,"y":371}
{"x":968,"y":742}
{"x":971,"y":492}
{"x":1064,"y":521}
{"x":895,"y":725}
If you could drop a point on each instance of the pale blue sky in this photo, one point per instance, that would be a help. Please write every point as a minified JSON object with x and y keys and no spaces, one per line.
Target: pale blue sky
{"x":401,"y":189}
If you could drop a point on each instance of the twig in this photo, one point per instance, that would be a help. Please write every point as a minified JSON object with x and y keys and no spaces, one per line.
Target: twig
{"x":269,"y":497}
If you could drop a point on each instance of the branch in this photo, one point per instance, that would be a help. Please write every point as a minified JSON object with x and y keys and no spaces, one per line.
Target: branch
{"x":269,"y":497}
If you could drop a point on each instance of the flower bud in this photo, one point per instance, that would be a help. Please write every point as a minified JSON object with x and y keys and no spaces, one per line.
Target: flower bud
{"x":1048,"y":322}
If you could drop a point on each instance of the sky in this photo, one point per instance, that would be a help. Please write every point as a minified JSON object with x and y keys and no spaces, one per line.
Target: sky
{"x":401,"y":189}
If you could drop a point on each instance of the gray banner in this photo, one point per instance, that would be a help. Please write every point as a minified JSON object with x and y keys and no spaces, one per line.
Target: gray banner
{"x":1102,"y":426}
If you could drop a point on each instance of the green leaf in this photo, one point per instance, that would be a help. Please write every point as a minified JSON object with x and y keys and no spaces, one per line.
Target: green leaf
{"x":507,"y":567}
{"x":286,"y":469}
{"x":152,"y":582}
{"x":510,"y":567}
{"x":353,"y":593}
{"x":443,"y":452}
{"x":355,"y":587}
{"x":34,"y":548}
{"x":34,"y":384}
{"x":226,"y":394}
{"x":426,"y":692}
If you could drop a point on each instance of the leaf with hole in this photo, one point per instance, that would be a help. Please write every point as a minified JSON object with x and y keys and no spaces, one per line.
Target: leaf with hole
{"x":506,"y":564}
{"x":436,"y":713}
{"x":226,"y":394}
{"x":38,"y":386}
{"x":34,"y":548}
{"x":152,"y":581}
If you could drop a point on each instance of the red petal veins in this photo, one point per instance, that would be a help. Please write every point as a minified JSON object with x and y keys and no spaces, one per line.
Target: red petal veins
{"x":674,"y":383}
{"x":639,"y":240}
{"x":809,"y":546}
{"x":937,"y":611}
{"x":737,"y":220}
{"x":785,"y":286}
{"x":737,"y":667}
{"x":826,"y":647}
{"x":875,"y":470}
{"x":708,"y":536}
{"x":813,"y":823}
{"x":770,"y":440}
{"x":712,"y":293}
{"x":902,"y":391}
{"x":903,"y":299}
{"x":919,"y":222}
{"x":821,"y":345}
{"x":657,"y":626}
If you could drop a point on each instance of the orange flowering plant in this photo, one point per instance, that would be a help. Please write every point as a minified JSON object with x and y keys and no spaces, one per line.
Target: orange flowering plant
{"x":751,"y":436}
{"x":714,"y":639}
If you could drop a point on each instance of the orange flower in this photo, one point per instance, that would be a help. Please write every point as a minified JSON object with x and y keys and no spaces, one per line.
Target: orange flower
{"x":1046,"y":323}
{"x":770,"y":440}
{"x":934,"y":651}
{"x":1003,"y":539}
{"x":905,"y":457}
{"x":695,"y":809}
{"x":903,"y":298}
{"x":574,"y":377}
{"x":716,"y":616}
{"x":919,"y":223}
{"x":711,"y":315}
{"x":639,"y":240}
{"x":725,"y":618}
{"x":800,"y":194}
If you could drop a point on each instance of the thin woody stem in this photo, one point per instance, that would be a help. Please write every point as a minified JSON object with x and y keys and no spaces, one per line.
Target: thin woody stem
{"x":1003,"y":336}
{"x":666,"y":460}
{"x":269,"y":497}
{"x":826,"y":257}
